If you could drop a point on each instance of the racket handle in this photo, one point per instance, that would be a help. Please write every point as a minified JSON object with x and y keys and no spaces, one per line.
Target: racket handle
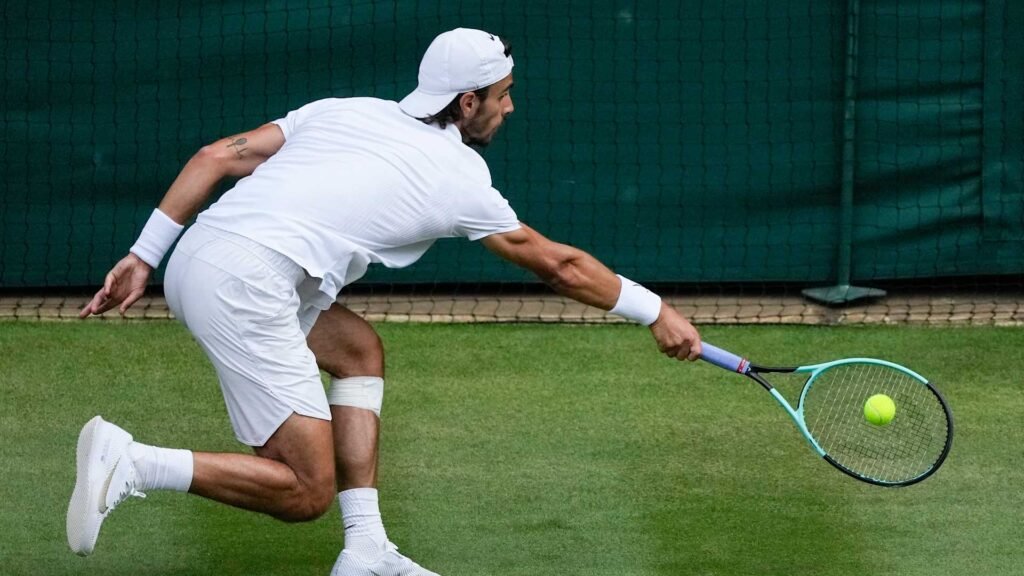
{"x":723,"y":358}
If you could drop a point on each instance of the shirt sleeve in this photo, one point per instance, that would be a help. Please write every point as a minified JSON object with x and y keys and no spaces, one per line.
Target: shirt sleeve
{"x":480,"y":213}
{"x":289,"y":123}
{"x":286,"y":124}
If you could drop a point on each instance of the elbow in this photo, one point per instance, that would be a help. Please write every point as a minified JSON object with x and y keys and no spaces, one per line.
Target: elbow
{"x":211,"y":155}
{"x":213,"y":160}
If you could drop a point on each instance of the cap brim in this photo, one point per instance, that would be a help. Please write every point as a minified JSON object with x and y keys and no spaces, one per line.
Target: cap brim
{"x":420,"y":104}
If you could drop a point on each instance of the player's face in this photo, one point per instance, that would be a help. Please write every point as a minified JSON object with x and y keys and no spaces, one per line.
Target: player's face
{"x":490,"y":114}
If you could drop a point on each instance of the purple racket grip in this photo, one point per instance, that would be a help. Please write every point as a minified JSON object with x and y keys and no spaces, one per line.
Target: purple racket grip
{"x":723,"y":358}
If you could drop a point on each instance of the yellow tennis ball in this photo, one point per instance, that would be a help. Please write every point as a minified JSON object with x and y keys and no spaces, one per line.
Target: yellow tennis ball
{"x":879,"y":410}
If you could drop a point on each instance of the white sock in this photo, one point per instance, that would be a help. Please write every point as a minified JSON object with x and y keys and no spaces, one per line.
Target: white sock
{"x":364,"y":530}
{"x":161,"y":468}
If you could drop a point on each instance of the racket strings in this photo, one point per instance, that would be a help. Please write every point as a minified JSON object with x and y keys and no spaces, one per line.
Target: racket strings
{"x":904,"y":449}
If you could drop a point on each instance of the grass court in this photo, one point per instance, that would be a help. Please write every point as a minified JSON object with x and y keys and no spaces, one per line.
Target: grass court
{"x":515,"y":450}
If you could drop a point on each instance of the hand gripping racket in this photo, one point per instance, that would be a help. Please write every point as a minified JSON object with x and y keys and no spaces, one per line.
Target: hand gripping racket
{"x":831,"y":415}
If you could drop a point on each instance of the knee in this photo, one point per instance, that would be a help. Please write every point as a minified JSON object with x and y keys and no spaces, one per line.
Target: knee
{"x":345,"y":345}
{"x":308,"y":504}
{"x":360,"y":355}
{"x":368,"y":356}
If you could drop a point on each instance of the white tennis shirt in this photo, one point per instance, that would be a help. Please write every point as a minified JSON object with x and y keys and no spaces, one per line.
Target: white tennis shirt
{"x":359,"y":182}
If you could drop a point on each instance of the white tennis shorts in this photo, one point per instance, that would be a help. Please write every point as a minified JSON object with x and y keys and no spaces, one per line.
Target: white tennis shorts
{"x":241,"y":301}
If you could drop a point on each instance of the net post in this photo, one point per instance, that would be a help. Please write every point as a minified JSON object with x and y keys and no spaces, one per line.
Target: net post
{"x":843,"y":292}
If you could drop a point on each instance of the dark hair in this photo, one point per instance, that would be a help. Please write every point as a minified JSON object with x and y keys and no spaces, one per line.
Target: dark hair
{"x":453,"y":111}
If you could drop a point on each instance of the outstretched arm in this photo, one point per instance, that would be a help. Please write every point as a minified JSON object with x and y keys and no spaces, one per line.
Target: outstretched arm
{"x":235,"y":156}
{"x":574,"y":273}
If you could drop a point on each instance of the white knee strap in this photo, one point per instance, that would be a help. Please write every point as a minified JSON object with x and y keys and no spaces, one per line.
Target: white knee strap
{"x":365,"y":392}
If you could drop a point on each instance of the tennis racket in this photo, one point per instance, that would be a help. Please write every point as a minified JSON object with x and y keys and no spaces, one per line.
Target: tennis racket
{"x":830,"y":414}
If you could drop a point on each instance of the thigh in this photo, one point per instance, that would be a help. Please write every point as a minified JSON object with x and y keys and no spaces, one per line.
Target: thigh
{"x":244,"y":316}
{"x":345,"y":344}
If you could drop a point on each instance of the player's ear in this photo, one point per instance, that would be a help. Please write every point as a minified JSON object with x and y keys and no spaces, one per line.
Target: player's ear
{"x":469,"y":104}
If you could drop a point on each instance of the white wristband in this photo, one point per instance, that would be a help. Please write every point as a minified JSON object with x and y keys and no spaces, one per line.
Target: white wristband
{"x":156,"y":238}
{"x":637,"y":303}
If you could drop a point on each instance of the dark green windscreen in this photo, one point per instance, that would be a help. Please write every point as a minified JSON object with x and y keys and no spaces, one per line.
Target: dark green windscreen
{"x":684,"y":141}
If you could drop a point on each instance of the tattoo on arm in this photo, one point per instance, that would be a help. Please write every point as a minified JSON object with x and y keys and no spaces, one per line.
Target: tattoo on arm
{"x":239,"y":145}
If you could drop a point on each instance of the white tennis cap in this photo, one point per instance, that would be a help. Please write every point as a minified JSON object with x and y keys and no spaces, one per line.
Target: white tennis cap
{"x":460,"y":60}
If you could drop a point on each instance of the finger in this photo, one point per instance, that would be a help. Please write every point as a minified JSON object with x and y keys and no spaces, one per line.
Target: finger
{"x":109,"y":282}
{"x":104,"y":306}
{"x":104,"y":302}
{"x":695,"y":352}
{"x":684,"y":352}
{"x":692,"y":352}
{"x":93,"y":305}
{"x":87,"y":309}
{"x":131,"y":299}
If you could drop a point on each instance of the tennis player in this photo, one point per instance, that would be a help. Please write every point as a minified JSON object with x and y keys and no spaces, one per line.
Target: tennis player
{"x":329,"y":189}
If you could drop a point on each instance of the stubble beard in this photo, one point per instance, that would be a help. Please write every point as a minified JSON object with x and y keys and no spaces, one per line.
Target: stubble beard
{"x":482,"y":141}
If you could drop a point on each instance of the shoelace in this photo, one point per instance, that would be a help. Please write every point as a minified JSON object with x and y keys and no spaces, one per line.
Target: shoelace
{"x":125,"y":491}
{"x":122,"y":495}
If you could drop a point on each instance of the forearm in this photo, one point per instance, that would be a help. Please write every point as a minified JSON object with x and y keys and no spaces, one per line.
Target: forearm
{"x":574,"y":273}
{"x":583,"y":278}
{"x":580,"y":276}
{"x":191,"y":189}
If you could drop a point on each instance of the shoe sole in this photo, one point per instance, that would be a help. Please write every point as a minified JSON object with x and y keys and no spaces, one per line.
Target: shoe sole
{"x":84,"y":517}
{"x":349,"y":564}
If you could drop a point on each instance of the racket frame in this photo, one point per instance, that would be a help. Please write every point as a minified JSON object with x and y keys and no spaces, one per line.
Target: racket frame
{"x":729,"y":361}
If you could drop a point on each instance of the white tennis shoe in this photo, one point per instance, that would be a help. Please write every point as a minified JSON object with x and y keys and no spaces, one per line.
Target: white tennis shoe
{"x":106,"y":477}
{"x":390,"y":563}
